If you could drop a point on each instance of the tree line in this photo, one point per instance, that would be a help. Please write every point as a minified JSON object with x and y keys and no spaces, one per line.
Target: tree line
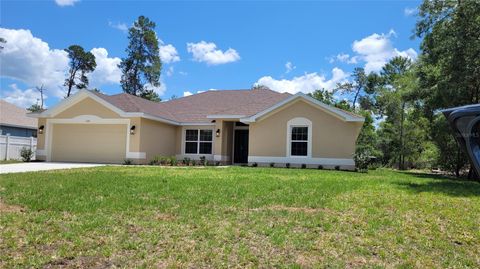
{"x":401,"y":103}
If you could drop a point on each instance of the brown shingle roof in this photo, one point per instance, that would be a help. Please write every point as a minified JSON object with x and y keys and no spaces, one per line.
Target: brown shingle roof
{"x":196,"y":108}
{"x":11,"y":114}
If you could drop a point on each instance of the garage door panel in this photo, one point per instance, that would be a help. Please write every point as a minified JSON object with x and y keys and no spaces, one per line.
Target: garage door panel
{"x":101,"y":143}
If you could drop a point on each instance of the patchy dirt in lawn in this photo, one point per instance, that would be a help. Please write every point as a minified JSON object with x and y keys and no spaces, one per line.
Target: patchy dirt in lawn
{"x":5,"y":208}
{"x":79,"y":262}
{"x":307,"y":210}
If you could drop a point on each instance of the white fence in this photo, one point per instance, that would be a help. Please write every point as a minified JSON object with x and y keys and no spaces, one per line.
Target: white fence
{"x":10,"y":146}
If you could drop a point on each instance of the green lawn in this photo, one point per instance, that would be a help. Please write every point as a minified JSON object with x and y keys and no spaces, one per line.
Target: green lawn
{"x":237,"y":217}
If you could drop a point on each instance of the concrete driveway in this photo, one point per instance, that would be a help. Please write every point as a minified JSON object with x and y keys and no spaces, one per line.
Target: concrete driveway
{"x":41,"y":166}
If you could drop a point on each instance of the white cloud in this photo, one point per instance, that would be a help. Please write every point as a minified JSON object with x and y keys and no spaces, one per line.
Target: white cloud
{"x":64,"y":3}
{"x":119,"y":26}
{"x":168,"y":53}
{"x":170,"y":71}
{"x":21,"y":98}
{"x":344,"y":58}
{"x":377,"y":49}
{"x":306,"y":83}
{"x":31,"y":60}
{"x":159,"y":90}
{"x":289,"y":67}
{"x":187,"y":93}
{"x":409,"y":11}
{"x":208,"y":53}
{"x":183,"y":73}
{"x":107,"y":71}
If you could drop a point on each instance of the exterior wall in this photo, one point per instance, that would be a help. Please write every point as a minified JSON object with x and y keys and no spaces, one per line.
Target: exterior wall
{"x":41,"y":153}
{"x":157,"y":138}
{"x":87,"y":106}
{"x":222,"y":149}
{"x":333,"y":140}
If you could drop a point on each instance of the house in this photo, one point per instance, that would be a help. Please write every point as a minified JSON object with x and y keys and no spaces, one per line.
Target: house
{"x":228,"y":126}
{"x":14,"y":121}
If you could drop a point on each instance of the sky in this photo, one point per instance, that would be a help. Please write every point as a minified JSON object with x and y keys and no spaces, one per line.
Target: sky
{"x":287,"y":46}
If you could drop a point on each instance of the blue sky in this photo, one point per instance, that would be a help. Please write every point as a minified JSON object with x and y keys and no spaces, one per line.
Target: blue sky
{"x":288,"y":46}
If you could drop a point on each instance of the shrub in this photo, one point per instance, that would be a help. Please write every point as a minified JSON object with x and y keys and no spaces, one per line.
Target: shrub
{"x":304,"y":166}
{"x":320,"y":167}
{"x":337,"y":167}
{"x":172,"y":161}
{"x":193,"y":163}
{"x":287,"y":165}
{"x":155,"y":160}
{"x":254,"y":164}
{"x":127,"y":162}
{"x":362,"y":160}
{"x":203,"y":160}
{"x":217,"y":164}
{"x":26,"y":154}
{"x":272,"y":164}
{"x":186,"y":161}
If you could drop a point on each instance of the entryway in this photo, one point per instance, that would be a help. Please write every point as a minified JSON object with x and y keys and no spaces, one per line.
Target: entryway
{"x":240,"y":148}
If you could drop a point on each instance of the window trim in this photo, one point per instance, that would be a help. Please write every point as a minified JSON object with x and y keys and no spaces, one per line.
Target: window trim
{"x":198,"y":141}
{"x":299,"y":122}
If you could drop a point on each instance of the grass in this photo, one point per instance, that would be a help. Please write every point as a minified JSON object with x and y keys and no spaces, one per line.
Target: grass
{"x":9,"y":161}
{"x":237,"y":217}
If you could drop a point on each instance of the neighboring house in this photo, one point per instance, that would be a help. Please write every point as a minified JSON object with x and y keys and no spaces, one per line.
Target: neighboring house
{"x":15,"y":122}
{"x":229,"y":126}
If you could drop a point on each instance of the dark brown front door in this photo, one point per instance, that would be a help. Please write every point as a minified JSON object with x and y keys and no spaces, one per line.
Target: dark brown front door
{"x":240,"y":150}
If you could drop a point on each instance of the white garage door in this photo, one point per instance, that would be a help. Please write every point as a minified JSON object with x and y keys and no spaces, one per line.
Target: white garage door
{"x":92,"y":143}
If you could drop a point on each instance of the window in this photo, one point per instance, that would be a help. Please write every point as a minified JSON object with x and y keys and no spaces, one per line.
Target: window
{"x":299,"y":146}
{"x":198,"y":141}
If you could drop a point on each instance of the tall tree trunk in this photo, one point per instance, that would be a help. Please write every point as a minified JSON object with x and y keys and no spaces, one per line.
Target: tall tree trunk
{"x":402,"y":144}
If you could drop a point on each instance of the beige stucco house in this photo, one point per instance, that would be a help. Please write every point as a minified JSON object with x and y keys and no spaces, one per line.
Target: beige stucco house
{"x":229,"y":126}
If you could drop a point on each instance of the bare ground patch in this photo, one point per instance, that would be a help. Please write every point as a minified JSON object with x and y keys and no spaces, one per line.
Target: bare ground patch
{"x":6,"y":208}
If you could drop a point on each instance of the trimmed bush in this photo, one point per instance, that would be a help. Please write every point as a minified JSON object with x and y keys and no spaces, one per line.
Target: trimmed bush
{"x":127,"y":162}
{"x":203,"y":160}
{"x":304,"y":166}
{"x":337,"y":168}
{"x":320,"y":167}
{"x":26,"y":154}
{"x":272,"y":164}
{"x":287,"y":165}
{"x":186,"y":161}
{"x":173,"y":161}
{"x":254,"y":164}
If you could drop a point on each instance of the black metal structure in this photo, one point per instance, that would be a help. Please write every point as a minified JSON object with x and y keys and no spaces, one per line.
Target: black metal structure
{"x":465,"y":122}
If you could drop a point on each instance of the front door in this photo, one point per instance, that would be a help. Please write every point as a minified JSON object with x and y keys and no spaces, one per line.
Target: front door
{"x":240,"y":150}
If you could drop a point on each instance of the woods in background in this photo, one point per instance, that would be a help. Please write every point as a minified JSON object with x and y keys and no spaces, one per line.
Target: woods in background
{"x":403,"y":128}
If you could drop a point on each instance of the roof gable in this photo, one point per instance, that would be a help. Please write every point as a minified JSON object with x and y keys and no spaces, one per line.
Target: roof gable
{"x":339,"y":113}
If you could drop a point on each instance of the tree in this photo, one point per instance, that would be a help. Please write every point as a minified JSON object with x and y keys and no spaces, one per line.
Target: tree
{"x":142,"y":66}
{"x":35,"y":108}
{"x":323,"y":96}
{"x":81,"y":63}
{"x":357,"y":87}
{"x":449,"y":73}
{"x":394,"y":101}
{"x":41,"y":90}
{"x":150,"y":95}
